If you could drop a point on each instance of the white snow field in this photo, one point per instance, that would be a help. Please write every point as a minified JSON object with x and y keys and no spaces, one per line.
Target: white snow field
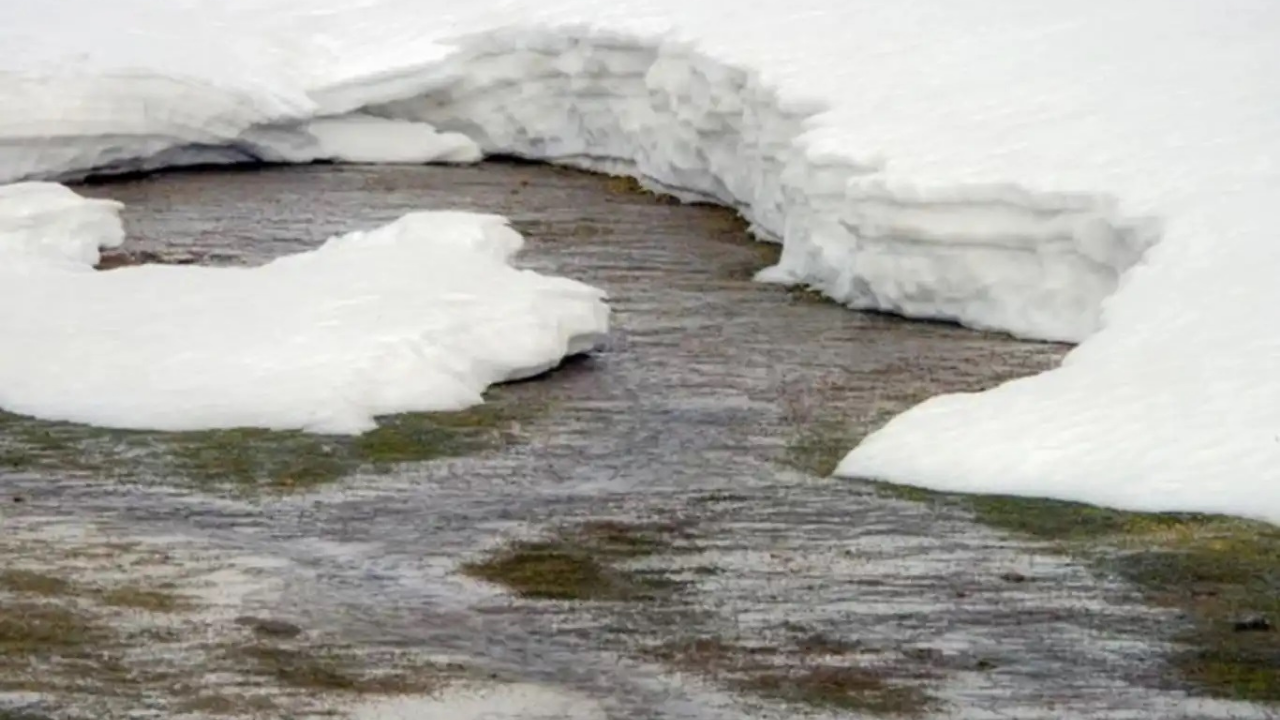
{"x":421,"y":314}
{"x":1080,"y":170}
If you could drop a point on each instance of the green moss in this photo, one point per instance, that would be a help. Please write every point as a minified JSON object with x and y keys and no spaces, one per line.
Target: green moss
{"x":135,"y":597}
{"x":34,"y":583}
{"x":1219,"y":581}
{"x":1057,"y":520}
{"x":817,"y":448}
{"x":256,"y":458}
{"x":227,"y":705}
{"x":557,"y":570}
{"x":1217,"y":570}
{"x":707,"y":656}
{"x":615,"y":540}
{"x":248,"y":459}
{"x":789,"y":674}
{"x":333,"y":670}
{"x":821,"y":437}
{"x":41,"y":629}
{"x":584,"y":562}
{"x":299,"y":669}
{"x":549,"y":571}
{"x":21,"y":714}
{"x":423,"y":437}
{"x":16,"y":460}
{"x":849,"y":689}
{"x":909,"y":492}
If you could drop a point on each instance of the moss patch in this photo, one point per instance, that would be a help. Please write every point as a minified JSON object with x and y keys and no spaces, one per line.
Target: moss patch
{"x":1066,"y":521}
{"x":825,"y":417}
{"x":229,"y":705}
{"x":31,"y":629}
{"x":248,"y":459}
{"x":551,"y":571}
{"x":21,"y":714}
{"x":335,"y":670}
{"x":256,"y":458}
{"x":822,"y":430}
{"x":130,"y":596}
{"x":1221,"y":572}
{"x":851,"y":689}
{"x":34,"y":583}
{"x":584,"y":563}
{"x":795,"y":664}
{"x":792,"y":674}
{"x":136,"y":597}
{"x":1226,"y":576}
{"x":818,"y":447}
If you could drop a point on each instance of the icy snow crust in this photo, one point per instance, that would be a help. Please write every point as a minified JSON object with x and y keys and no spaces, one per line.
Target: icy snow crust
{"x":1000,"y":163}
{"x":421,"y":314}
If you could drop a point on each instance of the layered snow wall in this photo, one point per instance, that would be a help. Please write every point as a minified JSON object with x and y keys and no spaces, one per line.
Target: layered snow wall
{"x":1037,"y":264}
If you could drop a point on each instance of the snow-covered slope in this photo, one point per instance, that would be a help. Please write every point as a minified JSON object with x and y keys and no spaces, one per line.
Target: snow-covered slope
{"x":1000,"y":163}
{"x":421,"y":314}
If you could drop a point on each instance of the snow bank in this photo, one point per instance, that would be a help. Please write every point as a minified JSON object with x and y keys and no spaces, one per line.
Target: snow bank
{"x":1175,"y":406}
{"x":998,"y":163}
{"x":887,"y":156}
{"x":47,"y":225}
{"x":989,"y":256}
{"x":421,"y":314}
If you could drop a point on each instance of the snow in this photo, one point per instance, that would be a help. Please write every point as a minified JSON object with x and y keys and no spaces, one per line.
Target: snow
{"x":1087,"y":171}
{"x":916,"y":187}
{"x":48,"y":225}
{"x":360,"y":138}
{"x":1172,"y":407}
{"x":421,"y":314}
{"x":499,"y":702}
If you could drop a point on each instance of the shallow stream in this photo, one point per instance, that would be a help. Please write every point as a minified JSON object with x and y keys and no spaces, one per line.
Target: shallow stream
{"x":713,"y":397}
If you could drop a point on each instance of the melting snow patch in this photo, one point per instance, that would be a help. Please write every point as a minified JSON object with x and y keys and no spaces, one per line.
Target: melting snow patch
{"x":500,"y":702}
{"x":421,"y":314}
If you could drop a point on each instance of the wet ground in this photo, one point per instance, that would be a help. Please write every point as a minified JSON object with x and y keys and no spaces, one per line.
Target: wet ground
{"x":714,"y":409}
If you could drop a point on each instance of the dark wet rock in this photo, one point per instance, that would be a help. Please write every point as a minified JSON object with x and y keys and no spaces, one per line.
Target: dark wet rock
{"x":267,"y":627}
{"x":924,"y":654}
{"x":1253,"y":623}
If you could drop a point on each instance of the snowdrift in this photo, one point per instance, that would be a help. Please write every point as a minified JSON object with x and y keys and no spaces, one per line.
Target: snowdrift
{"x":421,"y":314}
{"x":1080,"y":171}
{"x":897,"y":179}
